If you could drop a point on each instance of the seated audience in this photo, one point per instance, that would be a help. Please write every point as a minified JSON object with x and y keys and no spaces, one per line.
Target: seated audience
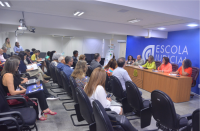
{"x":61,"y":63}
{"x":75,"y":55}
{"x":28,"y":58}
{"x":4,"y":53}
{"x":150,"y":63}
{"x":79,"y":73}
{"x":51,"y":55}
{"x":34,"y":57}
{"x":139,"y":61}
{"x":121,"y":73}
{"x":67,"y":69}
{"x":109,"y":68}
{"x":95,"y":63}
{"x":95,"y":90}
{"x":11,"y":84}
{"x":81,"y":57}
{"x":185,"y":69}
{"x":2,"y":59}
{"x":165,"y":66}
{"x":130,"y":60}
{"x":38,"y":73}
{"x":33,"y":49}
{"x":17,"y":48}
{"x":55,"y":57}
{"x":48,"y":55}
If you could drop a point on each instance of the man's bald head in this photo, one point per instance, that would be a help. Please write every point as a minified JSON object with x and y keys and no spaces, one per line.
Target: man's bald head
{"x":139,"y":57}
{"x":121,"y":62}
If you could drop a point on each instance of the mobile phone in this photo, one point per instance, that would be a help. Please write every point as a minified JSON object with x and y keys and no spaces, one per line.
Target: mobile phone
{"x":108,"y":96}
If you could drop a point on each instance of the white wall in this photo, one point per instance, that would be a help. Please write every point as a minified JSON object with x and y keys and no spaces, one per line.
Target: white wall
{"x":46,"y":43}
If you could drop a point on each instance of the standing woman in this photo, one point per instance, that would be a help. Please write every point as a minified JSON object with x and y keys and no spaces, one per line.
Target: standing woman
{"x":7,"y":45}
{"x":130,"y":60}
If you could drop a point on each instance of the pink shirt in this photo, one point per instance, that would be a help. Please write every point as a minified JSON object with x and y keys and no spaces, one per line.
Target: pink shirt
{"x":2,"y":58}
{"x":166,"y":68}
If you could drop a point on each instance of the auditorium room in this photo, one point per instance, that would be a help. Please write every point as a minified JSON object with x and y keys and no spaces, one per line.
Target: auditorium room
{"x":99,"y":65}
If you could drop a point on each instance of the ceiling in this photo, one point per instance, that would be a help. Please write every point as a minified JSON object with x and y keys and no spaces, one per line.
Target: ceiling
{"x":101,"y":16}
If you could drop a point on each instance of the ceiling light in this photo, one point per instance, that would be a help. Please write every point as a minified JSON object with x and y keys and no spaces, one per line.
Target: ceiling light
{"x":134,"y":21}
{"x":161,"y":28}
{"x":192,"y":25}
{"x":81,"y":13}
{"x":7,"y":4}
{"x":1,"y":3}
{"x":76,"y":13}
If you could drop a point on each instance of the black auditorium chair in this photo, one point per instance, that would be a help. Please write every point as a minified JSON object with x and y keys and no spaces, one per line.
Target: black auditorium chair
{"x":47,"y":65}
{"x":164,"y":113}
{"x":194,"y":122}
{"x":174,"y":67}
{"x":89,"y":71}
{"x":134,"y":99}
{"x":158,"y":63}
{"x":120,"y":94}
{"x":16,"y":119}
{"x":107,"y":84}
{"x":103,"y":122}
{"x":195,"y":74}
{"x":76,"y":105}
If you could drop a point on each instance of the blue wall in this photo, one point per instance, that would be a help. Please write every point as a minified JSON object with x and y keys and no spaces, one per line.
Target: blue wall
{"x":178,"y":46}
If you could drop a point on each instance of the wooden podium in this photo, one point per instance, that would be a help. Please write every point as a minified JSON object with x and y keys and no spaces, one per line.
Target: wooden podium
{"x":178,"y":88}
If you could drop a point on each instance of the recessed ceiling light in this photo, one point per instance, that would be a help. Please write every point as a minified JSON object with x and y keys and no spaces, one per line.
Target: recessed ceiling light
{"x":1,"y":3}
{"x":161,"y":28}
{"x":192,"y":25}
{"x":7,"y":4}
{"x":134,"y":21}
{"x":78,"y":13}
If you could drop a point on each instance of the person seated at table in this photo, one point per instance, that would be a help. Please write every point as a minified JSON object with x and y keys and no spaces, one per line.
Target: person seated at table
{"x":17,"y":48}
{"x":28,"y":58}
{"x":130,"y":60}
{"x":81,"y":57}
{"x":43,"y":63}
{"x":165,"y":66}
{"x":150,"y":63}
{"x":4,"y":53}
{"x":61,"y":63}
{"x":185,"y":69}
{"x":79,"y":73}
{"x":39,"y":74}
{"x":95,"y":90}
{"x":11,"y":84}
{"x":55,"y":57}
{"x":109,"y":68}
{"x":139,"y":61}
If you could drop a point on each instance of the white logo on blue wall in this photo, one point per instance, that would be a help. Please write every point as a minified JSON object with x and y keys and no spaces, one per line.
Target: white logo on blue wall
{"x":148,"y":50}
{"x":175,"y":53}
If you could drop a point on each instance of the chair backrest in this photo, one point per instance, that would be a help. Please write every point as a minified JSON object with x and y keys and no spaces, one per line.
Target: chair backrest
{"x":107,"y":84}
{"x":101,"y":118}
{"x":53,"y":73}
{"x":66,"y":84}
{"x":146,"y":60}
{"x":174,"y":67}
{"x":73,"y":86}
{"x":195,"y":74}
{"x":58,"y":76}
{"x":47,"y":65}
{"x":85,"y":105}
{"x":163,"y":110}
{"x":195,"y":120}
{"x":158,"y":63}
{"x":116,"y":86}
{"x":89,"y":71}
{"x":134,"y":59}
{"x":134,"y":97}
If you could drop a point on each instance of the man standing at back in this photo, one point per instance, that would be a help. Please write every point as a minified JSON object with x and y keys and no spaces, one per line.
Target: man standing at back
{"x":121,"y":73}
{"x":95,"y":63}
{"x":67,"y":69}
{"x":139,"y":61}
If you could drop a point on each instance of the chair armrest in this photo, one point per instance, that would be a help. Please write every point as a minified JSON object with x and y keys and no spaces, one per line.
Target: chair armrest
{"x":18,"y":98}
{"x":10,"y":119}
{"x":188,"y":116}
{"x":16,"y":113}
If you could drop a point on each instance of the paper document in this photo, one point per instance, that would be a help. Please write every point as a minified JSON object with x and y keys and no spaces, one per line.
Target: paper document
{"x":172,"y":74}
{"x":114,"y":103}
{"x":140,"y":66}
{"x":31,"y":81}
{"x":32,"y":66}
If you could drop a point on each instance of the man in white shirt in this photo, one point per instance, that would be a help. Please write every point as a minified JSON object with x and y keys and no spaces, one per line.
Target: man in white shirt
{"x":121,"y":73}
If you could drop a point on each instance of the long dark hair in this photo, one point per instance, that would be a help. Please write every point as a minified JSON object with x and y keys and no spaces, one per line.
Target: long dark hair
{"x":6,"y":40}
{"x":131,"y":57}
{"x":10,"y":66}
{"x":112,"y":64}
{"x":166,"y":60}
{"x":21,"y":55}
{"x":187,"y":63}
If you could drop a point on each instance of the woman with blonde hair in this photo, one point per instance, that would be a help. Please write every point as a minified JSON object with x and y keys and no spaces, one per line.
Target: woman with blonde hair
{"x":81,"y":57}
{"x":79,"y":73}
{"x":7,"y":45}
{"x":95,"y":90}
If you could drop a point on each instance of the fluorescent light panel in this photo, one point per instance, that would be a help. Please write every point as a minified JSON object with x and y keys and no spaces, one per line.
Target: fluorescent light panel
{"x":161,"y":28}
{"x":134,"y":21}
{"x":1,"y":3}
{"x":78,"y":13}
{"x":81,"y":13}
{"x":192,"y":25}
{"x":7,"y":4}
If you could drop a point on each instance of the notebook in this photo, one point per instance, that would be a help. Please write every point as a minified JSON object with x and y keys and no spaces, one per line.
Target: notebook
{"x":31,"y":81}
{"x":34,"y":88}
{"x":33,"y":65}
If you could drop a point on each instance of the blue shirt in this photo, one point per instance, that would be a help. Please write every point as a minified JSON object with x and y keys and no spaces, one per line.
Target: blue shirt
{"x":60,"y":66}
{"x":22,"y":67}
{"x":68,"y":71}
{"x":17,"y":49}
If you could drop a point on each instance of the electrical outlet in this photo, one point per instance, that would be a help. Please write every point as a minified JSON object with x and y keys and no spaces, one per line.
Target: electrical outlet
{"x":199,"y":85}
